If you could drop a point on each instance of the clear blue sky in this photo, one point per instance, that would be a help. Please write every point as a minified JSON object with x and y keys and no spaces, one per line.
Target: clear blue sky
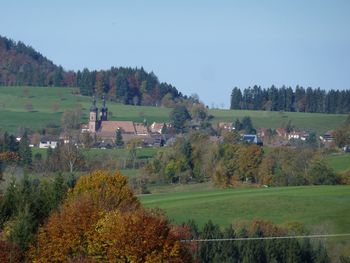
{"x":203,"y":47}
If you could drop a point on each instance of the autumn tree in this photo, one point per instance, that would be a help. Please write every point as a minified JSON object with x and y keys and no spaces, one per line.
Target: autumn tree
{"x":101,"y":220}
{"x":140,"y":236}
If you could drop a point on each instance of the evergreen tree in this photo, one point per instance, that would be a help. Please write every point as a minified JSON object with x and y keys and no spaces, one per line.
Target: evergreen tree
{"x":25,"y":151}
{"x":178,"y":118}
{"x":119,"y":139}
{"x":236,"y":99}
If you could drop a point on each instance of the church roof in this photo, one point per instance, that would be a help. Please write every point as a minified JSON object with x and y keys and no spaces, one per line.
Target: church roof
{"x":112,"y":126}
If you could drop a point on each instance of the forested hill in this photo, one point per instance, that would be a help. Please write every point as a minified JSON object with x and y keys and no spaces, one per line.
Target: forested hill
{"x":22,"y":65}
{"x":287,"y":99}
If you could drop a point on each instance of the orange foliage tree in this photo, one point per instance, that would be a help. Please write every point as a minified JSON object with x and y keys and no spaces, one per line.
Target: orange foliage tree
{"x":141,"y":236}
{"x":101,"y":220}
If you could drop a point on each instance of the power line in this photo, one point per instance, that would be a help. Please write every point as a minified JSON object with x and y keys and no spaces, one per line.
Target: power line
{"x":263,"y":238}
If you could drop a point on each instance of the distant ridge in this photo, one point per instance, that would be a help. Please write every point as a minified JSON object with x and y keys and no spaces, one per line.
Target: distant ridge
{"x":22,"y":65}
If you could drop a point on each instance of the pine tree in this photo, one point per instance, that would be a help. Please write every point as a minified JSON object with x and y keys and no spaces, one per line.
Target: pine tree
{"x":236,"y":99}
{"x":119,"y":139}
{"x":25,"y":151}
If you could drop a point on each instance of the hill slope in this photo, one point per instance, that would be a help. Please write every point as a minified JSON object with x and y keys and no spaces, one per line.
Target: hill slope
{"x":327,"y":206}
{"x":35,"y":107}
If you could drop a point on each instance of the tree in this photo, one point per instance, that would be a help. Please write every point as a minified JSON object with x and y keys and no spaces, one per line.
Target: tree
{"x":119,"y":139}
{"x":24,"y":150}
{"x":247,"y":125}
{"x":71,"y":119}
{"x":236,"y":99}
{"x":101,"y":220}
{"x":199,"y":112}
{"x":320,"y":173}
{"x":342,"y":136}
{"x":86,"y":139}
{"x":71,"y":156}
{"x":139,"y":236}
{"x":178,"y":117}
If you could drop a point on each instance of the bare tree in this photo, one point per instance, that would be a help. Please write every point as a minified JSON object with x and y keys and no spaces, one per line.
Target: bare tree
{"x":71,"y":156}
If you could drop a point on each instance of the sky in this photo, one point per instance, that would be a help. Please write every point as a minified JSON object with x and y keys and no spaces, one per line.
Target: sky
{"x":201,"y":47}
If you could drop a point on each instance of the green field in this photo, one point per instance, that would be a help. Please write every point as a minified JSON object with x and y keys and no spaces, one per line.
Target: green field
{"x":48,"y":104}
{"x":317,"y":122}
{"x":340,"y":162}
{"x":326,"y":207}
{"x":14,"y":113}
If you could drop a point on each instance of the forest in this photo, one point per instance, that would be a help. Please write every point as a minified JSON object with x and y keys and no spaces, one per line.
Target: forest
{"x":291,"y":100}
{"x":22,"y":65}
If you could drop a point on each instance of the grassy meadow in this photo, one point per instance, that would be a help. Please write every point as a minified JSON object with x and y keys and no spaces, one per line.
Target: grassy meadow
{"x":339,"y":162}
{"x":316,"y":207}
{"x":35,"y":107}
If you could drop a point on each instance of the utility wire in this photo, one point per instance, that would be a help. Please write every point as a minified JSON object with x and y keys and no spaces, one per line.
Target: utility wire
{"x":263,"y":238}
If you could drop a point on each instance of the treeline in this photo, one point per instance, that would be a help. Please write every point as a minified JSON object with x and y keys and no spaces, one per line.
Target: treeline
{"x":235,"y":251}
{"x":291,"y":100}
{"x":22,"y":65}
{"x":230,"y":162}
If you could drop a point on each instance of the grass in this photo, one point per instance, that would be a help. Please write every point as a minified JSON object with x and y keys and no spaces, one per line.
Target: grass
{"x":317,"y":122}
{"x":339,"y":162}
{"x":48,"y":104}
{"x":326,"y":206}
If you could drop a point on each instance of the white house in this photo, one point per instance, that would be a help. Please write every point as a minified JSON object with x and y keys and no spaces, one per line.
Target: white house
{"x":47,"y":144}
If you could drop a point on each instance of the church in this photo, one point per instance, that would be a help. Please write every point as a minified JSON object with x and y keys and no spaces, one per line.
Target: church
{"x":106,"y":130}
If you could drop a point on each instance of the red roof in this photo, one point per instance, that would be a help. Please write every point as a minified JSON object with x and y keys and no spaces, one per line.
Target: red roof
{"x":113,"y":126}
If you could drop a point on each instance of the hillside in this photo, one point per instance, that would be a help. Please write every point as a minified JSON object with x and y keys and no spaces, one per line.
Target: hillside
{"x":327,"y":206}
{"x":36,"y":107}
{"x":23,"y":65}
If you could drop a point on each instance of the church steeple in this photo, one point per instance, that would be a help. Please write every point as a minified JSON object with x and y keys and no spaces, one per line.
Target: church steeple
{"x":93,"y":116}
{"x":93,"y":107}
{"x":104,"y":109}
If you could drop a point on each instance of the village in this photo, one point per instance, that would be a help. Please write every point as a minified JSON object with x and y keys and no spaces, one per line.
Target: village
{"x":103,"y":133}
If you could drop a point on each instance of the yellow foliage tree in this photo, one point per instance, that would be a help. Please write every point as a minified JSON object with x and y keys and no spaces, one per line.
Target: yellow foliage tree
{"x":107,"y":190}
{"x":101,"y":220}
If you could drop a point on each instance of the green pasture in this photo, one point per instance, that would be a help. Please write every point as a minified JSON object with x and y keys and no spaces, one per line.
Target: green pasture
{"x":339,"y":162}
{"x":318,"y":122}
{"x":48,"y":104}
{"x":316,"y":207}
{"x":142,"y":153}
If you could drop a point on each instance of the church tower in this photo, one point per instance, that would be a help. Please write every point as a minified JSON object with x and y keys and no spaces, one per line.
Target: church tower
{"x":104,"y":109}
{"x":93,"y":117}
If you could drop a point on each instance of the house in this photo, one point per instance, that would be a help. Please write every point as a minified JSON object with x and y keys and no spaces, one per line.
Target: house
{"x":226,"y":126}
{"x":84,"y":127}
{"x":281,"y":132}
{"x":157,"y":127}
{"x":48,"y":142}
{"x":304,"y":136}
{"x":327,"y":137}
{"x":252,"y":138}
{"x":154,"y":141}
{"x":262,"y":132}
{"x":141,"y":129}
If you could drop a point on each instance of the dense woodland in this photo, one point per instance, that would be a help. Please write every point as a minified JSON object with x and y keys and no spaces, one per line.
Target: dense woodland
{"x":288,"y":99}
{"x":22,"y":65}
